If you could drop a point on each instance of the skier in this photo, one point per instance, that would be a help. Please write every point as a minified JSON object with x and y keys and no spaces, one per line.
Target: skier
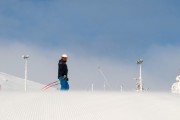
{"x":63,"y":72}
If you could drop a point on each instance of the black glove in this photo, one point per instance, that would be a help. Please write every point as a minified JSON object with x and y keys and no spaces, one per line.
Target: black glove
{"x":65,"y":78}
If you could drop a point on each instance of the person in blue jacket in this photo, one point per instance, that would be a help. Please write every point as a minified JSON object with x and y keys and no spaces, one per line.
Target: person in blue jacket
{"x":63,"y":72}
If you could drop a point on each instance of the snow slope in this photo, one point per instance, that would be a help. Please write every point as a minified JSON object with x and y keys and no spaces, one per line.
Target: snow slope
{"x":13,"y":83}
{"x":89,"y":106}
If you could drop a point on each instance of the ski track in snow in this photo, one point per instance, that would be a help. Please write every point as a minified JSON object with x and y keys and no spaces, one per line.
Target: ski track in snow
{"x":89,"y":106}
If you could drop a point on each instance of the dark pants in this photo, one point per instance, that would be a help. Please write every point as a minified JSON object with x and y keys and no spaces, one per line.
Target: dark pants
{"x":63,"y":84}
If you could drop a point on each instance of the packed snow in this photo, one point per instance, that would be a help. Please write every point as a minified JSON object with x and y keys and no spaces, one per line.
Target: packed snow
{"x":89,"y":106}
{"x":35,"y":104}
{"x":13,"y":83}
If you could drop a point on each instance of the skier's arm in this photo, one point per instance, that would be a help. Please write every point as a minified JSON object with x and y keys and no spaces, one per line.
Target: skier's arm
{"x":60,"y":69}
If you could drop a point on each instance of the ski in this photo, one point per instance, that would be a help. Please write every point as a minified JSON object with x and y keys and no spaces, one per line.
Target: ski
{"x":52,"y":83}
{"x":50,"y":86}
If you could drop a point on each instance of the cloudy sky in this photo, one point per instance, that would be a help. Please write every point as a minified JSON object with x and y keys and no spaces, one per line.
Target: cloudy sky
{"x":111,"y":34}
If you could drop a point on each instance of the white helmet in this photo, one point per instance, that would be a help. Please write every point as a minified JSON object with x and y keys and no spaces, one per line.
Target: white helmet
{"x":64,"y":56}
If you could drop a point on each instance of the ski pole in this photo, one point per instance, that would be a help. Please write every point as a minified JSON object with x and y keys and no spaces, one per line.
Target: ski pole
{"x":50,"y":84}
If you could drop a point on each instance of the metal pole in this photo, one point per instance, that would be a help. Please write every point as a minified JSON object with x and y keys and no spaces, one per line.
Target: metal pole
{"x":140,"y":79}
{"x":106,"y":81}
{"x":140,"y":74}
{"x":25,"y":75}
{"x":121,"y":88}
{"x":26,"y":64}
{"x":140,"y":82}
{"x":104,"y":86}
{"x":92,"y":87}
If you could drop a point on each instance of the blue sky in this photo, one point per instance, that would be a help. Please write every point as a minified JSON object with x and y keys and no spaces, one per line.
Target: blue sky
{"x":119,"y":28}
{"x":123,"y":30}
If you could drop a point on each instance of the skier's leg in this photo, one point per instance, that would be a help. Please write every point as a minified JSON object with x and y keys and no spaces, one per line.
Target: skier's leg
{"x":67,"y":86}
{"x":62,"y":83}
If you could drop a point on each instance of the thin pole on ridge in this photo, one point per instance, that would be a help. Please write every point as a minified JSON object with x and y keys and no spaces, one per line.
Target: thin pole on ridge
{"x":25,"y":57}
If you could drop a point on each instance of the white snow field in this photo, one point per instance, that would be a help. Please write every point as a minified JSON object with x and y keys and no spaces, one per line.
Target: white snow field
{"x":12,"y":83}
{"x":78,"y":105}
{"x":35,"y":104}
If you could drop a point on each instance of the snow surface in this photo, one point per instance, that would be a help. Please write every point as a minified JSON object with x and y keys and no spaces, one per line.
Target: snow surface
{"x":89,"y":106}
{"x":36,"y":104}
{"x":13,"y":83}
